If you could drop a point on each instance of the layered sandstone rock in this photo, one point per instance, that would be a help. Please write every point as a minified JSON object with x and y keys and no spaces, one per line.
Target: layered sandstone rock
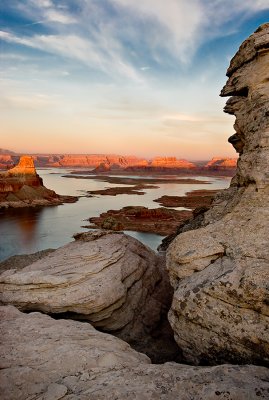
{"x":47,"y":359}
{"x":170,"y":162}
{"x":21,"y":186}
{"x":221,"y":163}
{"x":220,"y":270}
{"x":108,"y":279}
{"x":94,"y":160}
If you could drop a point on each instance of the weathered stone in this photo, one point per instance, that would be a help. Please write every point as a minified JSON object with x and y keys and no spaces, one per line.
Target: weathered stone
{"x":220,"y":271}
{"x":38,"y":352}
{"x":49,"y":360}
{"x":108,"y":279}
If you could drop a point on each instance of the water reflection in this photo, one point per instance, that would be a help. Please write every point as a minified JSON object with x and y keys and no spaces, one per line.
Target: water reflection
{"x":33,"y":229}
{"x":18,"y":228}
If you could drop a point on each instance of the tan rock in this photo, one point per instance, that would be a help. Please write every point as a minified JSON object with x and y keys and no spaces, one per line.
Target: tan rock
{"x":108,"y":279}
{"x":38,"y":352}
{"x":49,"y":359}
{"x":220,"y":272}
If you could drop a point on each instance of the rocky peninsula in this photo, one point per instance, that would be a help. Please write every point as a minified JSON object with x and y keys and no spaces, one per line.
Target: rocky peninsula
{"x":21,"y":186}
{"x":193,"y":199}
{"x":74,"y":323}
{"x":161,"y":220}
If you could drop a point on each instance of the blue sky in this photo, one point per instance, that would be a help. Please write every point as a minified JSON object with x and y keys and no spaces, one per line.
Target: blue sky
{"x":120,"y":76}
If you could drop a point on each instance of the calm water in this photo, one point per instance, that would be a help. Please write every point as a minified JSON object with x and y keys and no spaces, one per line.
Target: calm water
{"x":29,"y":230}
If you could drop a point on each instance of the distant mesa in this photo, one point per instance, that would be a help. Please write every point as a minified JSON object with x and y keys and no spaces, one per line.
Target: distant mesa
{"x":21,"y":186}
{"x":107,"y":167}
{"x":5,"y":151}
{"x":94,"y":160}
{"x":170,"y":162}
{"x":219,"y":162}
{"x":102,"y":163}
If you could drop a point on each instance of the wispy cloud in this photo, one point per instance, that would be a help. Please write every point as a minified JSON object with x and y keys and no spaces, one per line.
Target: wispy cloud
{"x":53,"y":15}
{"x":30,"y":102}
{"x":116,"y":36}
{"x":78,"y":48}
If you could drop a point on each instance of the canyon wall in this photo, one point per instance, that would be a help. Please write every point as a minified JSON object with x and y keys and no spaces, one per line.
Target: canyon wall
{"x":107,"y":162}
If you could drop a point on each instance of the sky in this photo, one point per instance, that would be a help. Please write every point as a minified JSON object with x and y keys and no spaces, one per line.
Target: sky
{"x":138,"y":77}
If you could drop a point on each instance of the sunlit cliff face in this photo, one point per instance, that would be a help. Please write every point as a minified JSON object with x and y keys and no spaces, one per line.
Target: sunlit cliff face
{"x":248,"y":84}
{"x":25,"y":166}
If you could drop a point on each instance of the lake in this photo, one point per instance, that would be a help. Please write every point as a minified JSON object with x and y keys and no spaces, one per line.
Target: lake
{"x":24,"y":231}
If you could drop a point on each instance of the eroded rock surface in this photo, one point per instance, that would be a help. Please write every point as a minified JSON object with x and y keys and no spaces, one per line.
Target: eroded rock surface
{"x":47,"y":359}
{"x":21,"y":186}
{"x":39,"y":353}
{"x":220,"y":270}
{"x":108,"y":279}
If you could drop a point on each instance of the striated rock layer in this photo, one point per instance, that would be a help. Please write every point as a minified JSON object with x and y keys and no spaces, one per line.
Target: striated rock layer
{"x":47,"y":359}
{"x":221,"y":163}
{"x":21,"y":186}
{"x":220,"y":270}
{"x":108,"y":279}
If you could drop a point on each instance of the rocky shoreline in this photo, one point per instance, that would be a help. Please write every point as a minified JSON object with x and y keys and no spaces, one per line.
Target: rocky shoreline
{"x":161,"y":221}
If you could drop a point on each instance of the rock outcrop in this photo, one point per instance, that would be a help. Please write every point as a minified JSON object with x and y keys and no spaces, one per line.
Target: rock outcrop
{"x":21,"y":186}
{"x":110,"y":280}
{"x":48,"y":359}
{"x":220,"y":270}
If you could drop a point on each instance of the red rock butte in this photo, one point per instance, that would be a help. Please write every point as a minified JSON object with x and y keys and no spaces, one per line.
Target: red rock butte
{"x":25,"y":166}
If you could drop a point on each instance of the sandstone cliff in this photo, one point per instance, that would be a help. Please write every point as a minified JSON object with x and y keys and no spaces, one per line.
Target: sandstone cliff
{"x":21,"y":186}
{"x":108,"y":162}
{"x":170,"y":162}
{"x":94,"y":160}
{"x":220,"y":270}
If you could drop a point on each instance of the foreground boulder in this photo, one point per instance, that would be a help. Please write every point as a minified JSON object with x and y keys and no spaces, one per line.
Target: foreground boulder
{"x":220,"y":270}
{"x":47,"y":359}
{"x":21,"y":186}
{"x":109,"y":279}
{"x":37,"y":352}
